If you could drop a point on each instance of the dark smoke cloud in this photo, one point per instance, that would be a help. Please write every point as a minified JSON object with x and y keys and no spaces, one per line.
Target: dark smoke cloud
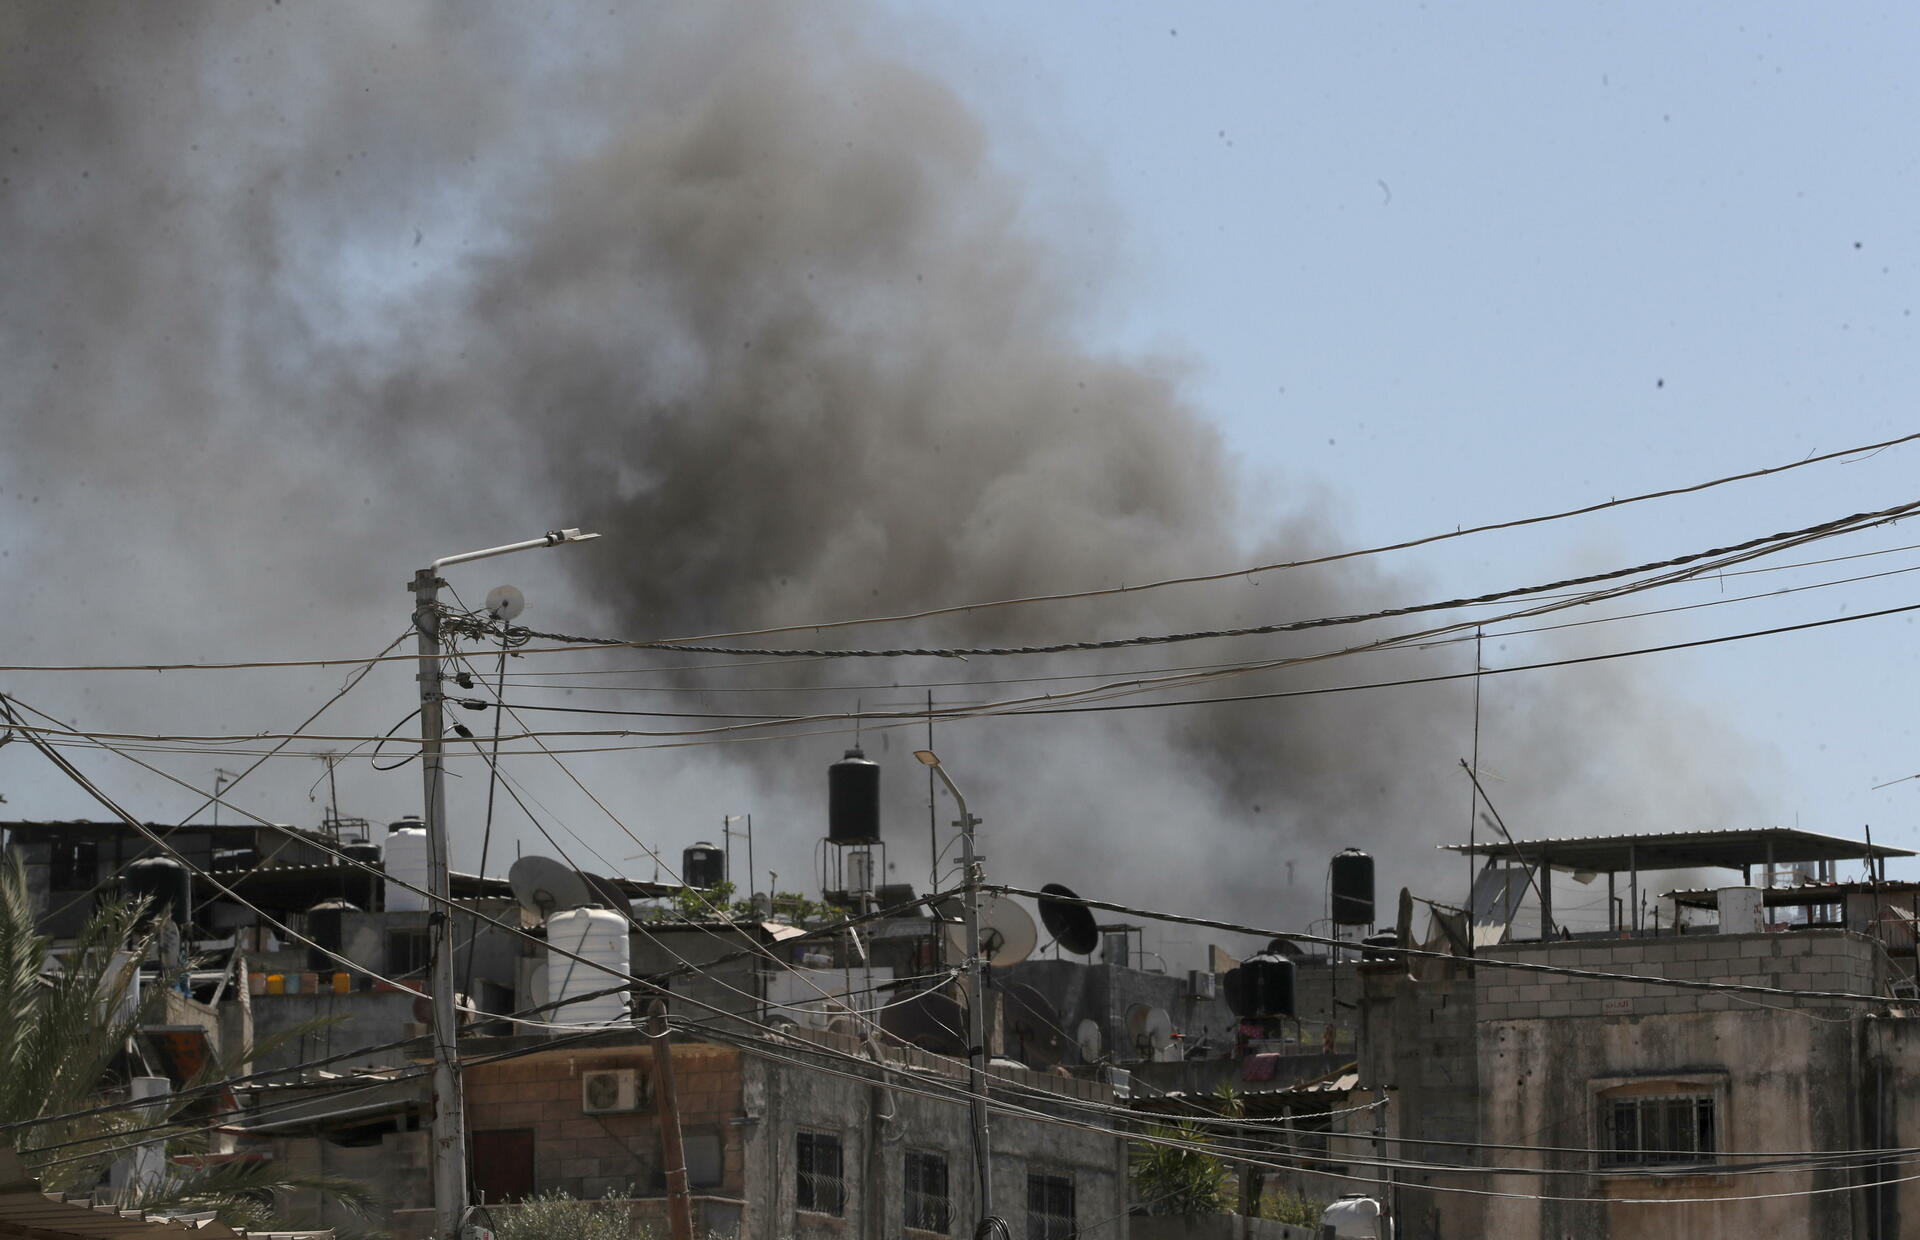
{"x":293,"y":295}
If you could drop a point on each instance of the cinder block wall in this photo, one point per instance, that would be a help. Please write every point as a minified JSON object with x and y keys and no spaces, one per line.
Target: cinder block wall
{"x":592,"y":1155}
{"x":1834,"y":960}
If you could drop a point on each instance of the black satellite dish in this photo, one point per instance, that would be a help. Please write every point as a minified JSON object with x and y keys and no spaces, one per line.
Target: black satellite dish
{"x":1071,"y":925}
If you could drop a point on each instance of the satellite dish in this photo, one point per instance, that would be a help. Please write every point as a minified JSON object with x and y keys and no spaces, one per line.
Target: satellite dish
{"x":844,"y":1025}
{"x":545,"y":887}
{"x":607,"y":893}
{"x":1150,"y":1029}
{"x":1087,"y":1034}
{"x":1033,"y":1027}
{"x":505,"y":602}
{"x":1007,"y":934}
{"x":1071,"y":925}
{"x":931,"y":1020}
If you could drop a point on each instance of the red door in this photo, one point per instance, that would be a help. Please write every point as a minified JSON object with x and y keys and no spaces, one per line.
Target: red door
{"x":503,"y":1164}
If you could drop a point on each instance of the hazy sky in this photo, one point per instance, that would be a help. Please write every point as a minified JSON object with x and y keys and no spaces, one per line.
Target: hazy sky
{"x":361,"y":285}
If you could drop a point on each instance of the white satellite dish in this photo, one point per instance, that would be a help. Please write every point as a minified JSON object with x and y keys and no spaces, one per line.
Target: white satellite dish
{"x":1087,"y":1034}
{"x":505,"y":602}
{"x":545,"y":887}
{"x":1150,"y":1029}
{"x":1007,"y":933}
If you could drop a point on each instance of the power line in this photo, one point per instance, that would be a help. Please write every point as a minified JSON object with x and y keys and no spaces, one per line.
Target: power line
{"x":910,"y":718}
{"x":1317,"y":940}
{"x":478,"y":627}
{"x":1302,"y":563}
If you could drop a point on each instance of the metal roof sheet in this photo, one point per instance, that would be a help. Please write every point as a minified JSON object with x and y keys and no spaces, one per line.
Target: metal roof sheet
{"x":1682,"y":850}
{"x":1798,"y":894}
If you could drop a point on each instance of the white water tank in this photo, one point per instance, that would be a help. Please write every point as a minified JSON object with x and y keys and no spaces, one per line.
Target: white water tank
{"x":1741,"y":910}
{"x":598,"y":936}
{"x":406,"y":862}
{"x":1355,"y":1218}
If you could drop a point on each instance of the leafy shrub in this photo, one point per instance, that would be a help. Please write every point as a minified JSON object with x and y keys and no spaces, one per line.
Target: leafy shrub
{"x":562,"y":1216}
{"x":1296,"y":1208}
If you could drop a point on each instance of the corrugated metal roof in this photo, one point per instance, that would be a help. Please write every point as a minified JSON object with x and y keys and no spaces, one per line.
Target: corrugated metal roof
{"x":1682,"y":850}
{"x":27,"y":1212}
{"x":1800,"y":893}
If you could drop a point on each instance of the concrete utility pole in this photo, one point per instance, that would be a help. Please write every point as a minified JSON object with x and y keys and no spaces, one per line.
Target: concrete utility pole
{"x":451,"y":1195}
{"x":976,"y":995}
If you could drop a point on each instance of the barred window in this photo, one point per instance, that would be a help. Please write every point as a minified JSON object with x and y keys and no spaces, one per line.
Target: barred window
{"x":1049,"y":1207}
{"x":817,"y":1159}
{"x":927,"y":1191}
{"x":1657,"y":1129}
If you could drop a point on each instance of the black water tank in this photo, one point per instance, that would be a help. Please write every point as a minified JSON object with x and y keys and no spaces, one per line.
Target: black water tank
{"x":853,"y":800}
{"x":703,"y":866}
{"x":1262,"y":987}
{"x":365,"y":851}
{"x":165,"y":883}
{"x":1352,"y":880}
{"x":360,"y":885}
{"x":1382,"y":946}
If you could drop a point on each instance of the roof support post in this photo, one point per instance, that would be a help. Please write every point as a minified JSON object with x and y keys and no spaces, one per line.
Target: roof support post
{"x":1633,"y":886}
{"x":1546,"y":898}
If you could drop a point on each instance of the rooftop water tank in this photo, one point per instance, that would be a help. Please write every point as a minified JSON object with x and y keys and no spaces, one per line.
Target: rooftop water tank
{"x":599,"y":936}
{"x":358,"y":884}
{"x":703,"y":866}
{"x":1741,"y":910}
{"x":1261,"y":987}
{"x":853,"y":800}
{"x":407,"y":863}
{"x":165,"y":884}
{"x":1352,"y":881}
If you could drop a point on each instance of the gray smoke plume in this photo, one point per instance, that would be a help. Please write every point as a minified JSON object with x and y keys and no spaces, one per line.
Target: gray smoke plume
{"x":296,"y":298}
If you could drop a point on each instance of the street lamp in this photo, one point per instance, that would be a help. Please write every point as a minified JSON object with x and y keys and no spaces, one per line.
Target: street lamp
{"x":449,"y":1106}
{"x":976,"y":997}
{"x":726,"y":834}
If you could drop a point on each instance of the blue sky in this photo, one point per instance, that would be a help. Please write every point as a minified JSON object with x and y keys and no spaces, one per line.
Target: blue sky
{"x":1436,"y":266}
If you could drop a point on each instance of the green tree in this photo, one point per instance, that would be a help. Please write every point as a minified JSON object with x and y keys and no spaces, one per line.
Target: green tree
{"x":1184,"y":1179}
{"x":63,"y":1052}
{"x":1177,"y":1179}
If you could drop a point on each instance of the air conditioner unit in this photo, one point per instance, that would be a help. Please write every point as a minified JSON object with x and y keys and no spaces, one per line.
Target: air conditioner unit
{"x":1201,"y":983}
{"x":1122,"y":1082}
{"x":609,"y":1090}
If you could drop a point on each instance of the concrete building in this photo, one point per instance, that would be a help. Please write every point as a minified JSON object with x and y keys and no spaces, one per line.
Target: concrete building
{"x":1596,"y":1106}
{"x":798,"y":1138}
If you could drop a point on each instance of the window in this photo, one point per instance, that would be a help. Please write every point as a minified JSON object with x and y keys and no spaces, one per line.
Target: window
{"x":1658,"y":1129}
{"x":408,"y":951}
{"x":1049,"y":1207}
{"x":817,"y":1159}
{"x":75,"y":863}
{"x":927,"y":1190}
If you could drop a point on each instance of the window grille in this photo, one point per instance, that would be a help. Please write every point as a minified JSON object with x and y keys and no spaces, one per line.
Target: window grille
{"x":926,"y":1183}
{"x":1049,"y":1207}
{"x":1655,"y":1130}
{"x":817,"y":1159}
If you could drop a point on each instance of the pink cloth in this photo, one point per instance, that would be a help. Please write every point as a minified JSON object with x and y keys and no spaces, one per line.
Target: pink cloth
{"x":1259,"y":1067}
